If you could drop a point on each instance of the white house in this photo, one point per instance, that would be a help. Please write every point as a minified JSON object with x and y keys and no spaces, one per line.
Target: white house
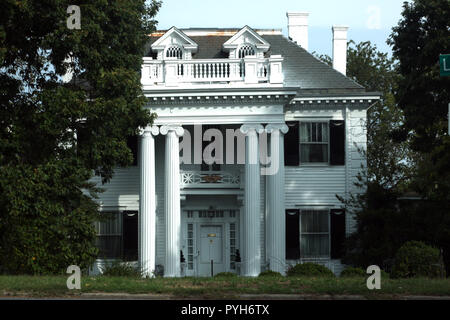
{"x":290,"y":126}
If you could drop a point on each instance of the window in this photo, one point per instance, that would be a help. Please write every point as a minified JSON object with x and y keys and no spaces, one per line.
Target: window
{"x":233,"y":245}
{"x":174,"y":52}
{"x":211,"y":214}
{"x":314,"y":234}
{"x":109,"y":235}
{"x":314,"y":142}
{"x":246,"y":50}
{"x":117,"y":235}
{"x":190,"y":245}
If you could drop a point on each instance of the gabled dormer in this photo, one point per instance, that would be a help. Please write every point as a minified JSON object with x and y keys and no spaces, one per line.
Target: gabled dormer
{"x":246,"y":42}
{"x":174,"y":44}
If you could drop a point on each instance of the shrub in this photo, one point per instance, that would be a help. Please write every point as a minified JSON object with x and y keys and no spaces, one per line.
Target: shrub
{"x":416,"y":259}
{"x":309,"y":270}
{"x":120,"y":269}
{"x":360,"y":272}
{"x":225,"y":275}
{"x":353,"y":272}
{"x":270,"y":273}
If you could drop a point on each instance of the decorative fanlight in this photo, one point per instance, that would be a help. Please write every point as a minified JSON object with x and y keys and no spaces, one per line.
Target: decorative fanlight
{"x":211,"y":212}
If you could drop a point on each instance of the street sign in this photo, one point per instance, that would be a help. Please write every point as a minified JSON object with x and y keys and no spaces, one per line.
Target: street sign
{"x":444,"y":60}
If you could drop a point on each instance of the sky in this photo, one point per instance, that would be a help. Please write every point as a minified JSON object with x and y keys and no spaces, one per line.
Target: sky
{"x":369,"y":20}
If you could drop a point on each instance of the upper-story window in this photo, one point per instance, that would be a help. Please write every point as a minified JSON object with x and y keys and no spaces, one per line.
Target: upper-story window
{"x":246,"y":50}
{"x":174,"y":52}
{"x":314,"y":142}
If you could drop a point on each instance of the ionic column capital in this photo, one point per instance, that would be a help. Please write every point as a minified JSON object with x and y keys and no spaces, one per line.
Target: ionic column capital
{"x":282,"y":127}
{"x":252,"y":127}
{"x":179,"y":131}
{"x":149,"y":130}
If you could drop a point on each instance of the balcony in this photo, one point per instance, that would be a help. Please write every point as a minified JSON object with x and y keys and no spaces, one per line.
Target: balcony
{"x":210,"y":179}
{"x":212,"y":71}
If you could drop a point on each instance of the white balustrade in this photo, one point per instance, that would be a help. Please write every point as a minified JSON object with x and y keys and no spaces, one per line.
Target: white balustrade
{"x":248,"y":70}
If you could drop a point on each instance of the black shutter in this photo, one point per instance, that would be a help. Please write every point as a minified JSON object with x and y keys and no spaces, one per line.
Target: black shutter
{"x":292,"y":144}
{"x":337,"y":142}
{"x":292,"y":234}
{"x":130,"y":235}
{"x":132,"y":143}
{"x":337,"y":231}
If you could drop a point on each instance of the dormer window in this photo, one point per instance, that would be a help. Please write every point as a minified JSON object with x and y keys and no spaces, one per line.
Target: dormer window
{"x":174,"y":52}
{"x":174,"y":45}
{"x":246,"y":50}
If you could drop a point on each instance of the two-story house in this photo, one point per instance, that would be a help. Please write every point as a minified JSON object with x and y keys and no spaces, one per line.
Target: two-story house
{"x":240,"y":170}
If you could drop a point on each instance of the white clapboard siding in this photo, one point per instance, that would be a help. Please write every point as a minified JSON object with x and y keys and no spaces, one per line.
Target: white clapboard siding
{"x":122,"y":192}
{"x":357,"y":139}
{"x":309,"y":185}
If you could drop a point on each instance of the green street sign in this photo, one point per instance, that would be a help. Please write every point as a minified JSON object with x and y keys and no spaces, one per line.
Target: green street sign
{"x":445,"y":65}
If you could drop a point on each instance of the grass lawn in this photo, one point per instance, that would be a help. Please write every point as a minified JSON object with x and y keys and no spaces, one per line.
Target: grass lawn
{"x":217,"y":288}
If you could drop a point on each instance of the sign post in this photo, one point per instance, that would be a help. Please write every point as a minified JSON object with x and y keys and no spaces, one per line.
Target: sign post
{"x":444,"y":61}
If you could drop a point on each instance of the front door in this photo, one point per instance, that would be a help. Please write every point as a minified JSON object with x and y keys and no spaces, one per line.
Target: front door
{"x":211,"y":253}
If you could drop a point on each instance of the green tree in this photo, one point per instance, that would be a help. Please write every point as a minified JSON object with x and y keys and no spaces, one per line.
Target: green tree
{"x":375,"y":71}
{"x":421,"y":36}
{"x":55,"y":135}
{"x":388,"y":171}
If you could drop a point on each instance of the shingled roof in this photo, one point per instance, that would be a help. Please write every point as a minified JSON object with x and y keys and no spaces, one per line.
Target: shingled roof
{"x":301,"y":69}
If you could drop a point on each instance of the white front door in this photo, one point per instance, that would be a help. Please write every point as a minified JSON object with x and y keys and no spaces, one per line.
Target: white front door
{"x":211,"y":249}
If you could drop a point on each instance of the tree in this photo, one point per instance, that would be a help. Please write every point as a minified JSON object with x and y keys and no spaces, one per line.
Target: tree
{"x":375,"y":71}
{"x":53,"y":135}
{"x":421,"y":36}
{"x":381,"y":227}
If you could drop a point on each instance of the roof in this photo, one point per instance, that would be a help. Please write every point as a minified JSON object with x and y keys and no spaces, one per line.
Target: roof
{"x":301,"y":69}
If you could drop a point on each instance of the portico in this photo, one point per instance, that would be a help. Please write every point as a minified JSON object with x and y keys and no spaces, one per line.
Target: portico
{"x":240,"y":181}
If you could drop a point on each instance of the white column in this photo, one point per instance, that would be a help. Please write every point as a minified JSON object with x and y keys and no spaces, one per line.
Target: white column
{"x":147,"y":201}
{"x":172,"y":200}
{"x":275,"y":214}
{"x":251,"y":253}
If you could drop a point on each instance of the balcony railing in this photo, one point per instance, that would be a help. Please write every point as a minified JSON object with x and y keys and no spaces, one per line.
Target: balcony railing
{"x":248,"y":70}
{"x":210,"y":179}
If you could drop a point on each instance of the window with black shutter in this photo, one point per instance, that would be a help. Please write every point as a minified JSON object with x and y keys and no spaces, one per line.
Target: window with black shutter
{"x":292,"y":144}
{"x":130,"y":235}
{"x":337,"y":142}
{"x":337,"y":230}
{"x":292,"y":234}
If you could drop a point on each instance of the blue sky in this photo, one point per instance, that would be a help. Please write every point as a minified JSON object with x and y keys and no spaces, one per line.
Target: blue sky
{"x":370,"y":20}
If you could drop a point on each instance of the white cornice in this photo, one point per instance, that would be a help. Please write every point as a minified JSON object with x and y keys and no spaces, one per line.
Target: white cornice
{"x":335,"y":99}
{"x":263,"y":44}
{"x":190,"y":44}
